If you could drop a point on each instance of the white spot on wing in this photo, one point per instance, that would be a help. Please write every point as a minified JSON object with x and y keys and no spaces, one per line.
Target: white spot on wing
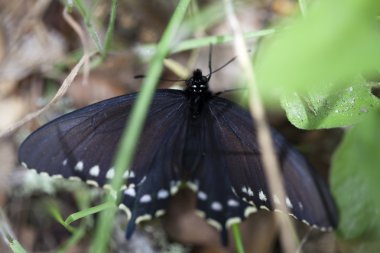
{"x":143,"y":218}
{"x":110,"y":173}
{"x":126,"y":210}
{"x":159,"y":213}
{"x":215,"y":224}
{"x":130,"y":192}
{"x":288,"y":203}
{"x":232,"y":203}
{"x":92,"y":182}
{"x":262,"y":196}
{"x":94,"y":171}
{"x":145,"y":198}
{"x":202,"y":195}
{"x":216,"y":206}
{"x":250,"y":192}
{"x":300,"y":205}
{"x":232,"y":221}
{"x":193,"y":185}
{"x":73,"y":178}
{"x":64,"y":163}
{"x":233,"y":190}
{"x":162,"y":194}
{"x":79,"y":166}
{"x":249,"y":210}
{"x":200,"y":213}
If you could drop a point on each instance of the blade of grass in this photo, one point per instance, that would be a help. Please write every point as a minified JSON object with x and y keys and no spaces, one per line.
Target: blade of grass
{"x":205,"y":41}
{"x":303,"y":6}
{"x":16,"y":246}
{"x":7,"y":234}
{"x":87,"y":20}
{"x":133,"y":130}
{"x":237,"y":237}
{"x":74,"y":239}
{"x":89,"y":211}
{"x":54,"y":211}
{"x":109,"y":33}
{"x":218,"y":39}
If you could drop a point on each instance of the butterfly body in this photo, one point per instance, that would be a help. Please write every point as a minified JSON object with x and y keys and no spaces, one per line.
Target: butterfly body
{"x":190,"y":137}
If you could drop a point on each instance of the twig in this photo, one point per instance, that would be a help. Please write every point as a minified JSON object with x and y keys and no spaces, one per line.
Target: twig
{"x":62,"y":90}
{"x":77,"y":28}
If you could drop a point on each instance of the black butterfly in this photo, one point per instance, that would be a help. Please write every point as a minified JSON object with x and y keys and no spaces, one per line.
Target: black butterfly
{"x":191,"y":137}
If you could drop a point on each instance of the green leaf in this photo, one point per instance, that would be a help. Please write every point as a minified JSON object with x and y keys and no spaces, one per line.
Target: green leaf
{"x":328,"y":108}
{"x":355,"y":180}
{"x":334,"y":43}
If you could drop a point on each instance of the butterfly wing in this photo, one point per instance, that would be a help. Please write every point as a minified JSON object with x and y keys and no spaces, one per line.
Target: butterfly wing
{"x":215,"y":200}
{"x":307,"y":196}
{"x":82,"y":144}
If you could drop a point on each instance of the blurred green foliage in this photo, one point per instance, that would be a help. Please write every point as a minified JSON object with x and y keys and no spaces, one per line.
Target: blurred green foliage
{"x":321,"y":54}
{"x":355,"y":182}
{"x":316,"y":64}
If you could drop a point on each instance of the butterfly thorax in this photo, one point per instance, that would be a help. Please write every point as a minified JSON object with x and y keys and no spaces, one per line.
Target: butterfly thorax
{"x":197,"y":92}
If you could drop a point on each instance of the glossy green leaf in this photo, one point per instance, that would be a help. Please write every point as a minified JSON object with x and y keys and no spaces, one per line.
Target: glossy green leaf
{"x":329,"y":108}
{"x":356,"y":180}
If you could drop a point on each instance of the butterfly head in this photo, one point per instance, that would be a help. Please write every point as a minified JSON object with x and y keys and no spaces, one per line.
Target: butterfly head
{"x":197,"y":83}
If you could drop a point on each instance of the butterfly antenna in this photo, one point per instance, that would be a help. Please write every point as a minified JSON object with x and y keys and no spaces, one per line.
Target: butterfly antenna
{"x":216,"y":70}
{"x":209,"y":63}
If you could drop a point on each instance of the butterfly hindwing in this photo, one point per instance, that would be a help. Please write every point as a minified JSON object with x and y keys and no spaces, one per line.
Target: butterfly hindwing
{"x":304,"y":195}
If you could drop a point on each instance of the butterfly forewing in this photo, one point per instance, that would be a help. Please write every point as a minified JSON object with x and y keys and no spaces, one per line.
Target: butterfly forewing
{"x":83,"y":143}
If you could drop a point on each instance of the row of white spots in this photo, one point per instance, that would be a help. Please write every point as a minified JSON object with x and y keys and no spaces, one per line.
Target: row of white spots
{"x":215,"y":205}
{"x":161,"y":194}
{"x":230,"y":221}
{"x":95,"y":171}
{"x":264,"y":198}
